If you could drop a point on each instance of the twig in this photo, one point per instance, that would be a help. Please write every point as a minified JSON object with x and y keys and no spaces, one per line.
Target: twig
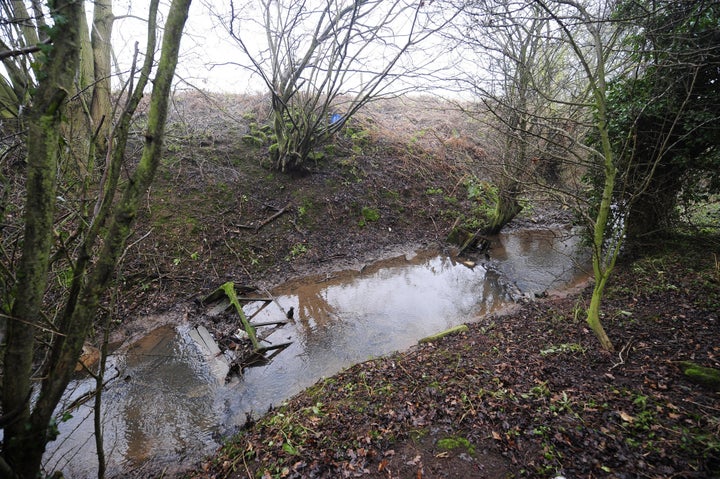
{"x":127,"y":248}
{"x":625,"y":350}
{"x":266,"y":221}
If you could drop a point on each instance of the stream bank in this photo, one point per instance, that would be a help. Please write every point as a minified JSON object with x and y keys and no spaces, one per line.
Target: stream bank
{"x":528,"y":394}
{"x":176,"y":390}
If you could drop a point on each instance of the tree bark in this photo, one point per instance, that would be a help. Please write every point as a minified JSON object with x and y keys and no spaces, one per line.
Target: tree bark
{"x":66,"y":349}
{"x":25,"y":439}
{"x":506,"y":208}
{"x":652,"y":211}
{"x":23,"y":445}
{"x":101,"y":106}
{"x":606,"y":243}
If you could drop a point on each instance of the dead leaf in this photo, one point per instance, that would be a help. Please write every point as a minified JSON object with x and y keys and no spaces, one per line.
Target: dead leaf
{"x":383,"y":464}
{"x":415,"y":461}
{"x":496,"y":436}
{"x":626,"y":417}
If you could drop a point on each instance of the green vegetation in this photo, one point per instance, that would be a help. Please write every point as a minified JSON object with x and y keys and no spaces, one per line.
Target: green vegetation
{"x":563,"y":348}
{"x":454,"y":443}
{"x":369,"y":215}
{"x":297,"y":250}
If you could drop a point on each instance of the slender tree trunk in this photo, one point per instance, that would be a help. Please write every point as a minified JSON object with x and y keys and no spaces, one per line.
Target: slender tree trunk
{"x":606,"y":243}
{"x":25,"y":439}
{"x":77,"y":128}
{"x":101,"y":107}
{"x":593,"y":315}
{"x":66,"y":349}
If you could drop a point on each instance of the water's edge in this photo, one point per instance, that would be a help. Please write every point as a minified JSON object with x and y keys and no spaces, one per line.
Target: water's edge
{"x":169,"y":408}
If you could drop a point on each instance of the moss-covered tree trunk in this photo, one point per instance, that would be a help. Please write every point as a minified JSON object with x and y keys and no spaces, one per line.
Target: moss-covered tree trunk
{"x":101,"y":106}
{"x":77,"y":128}
{"x":592,"y":55}
{"x":26,"y":437}
{"x":605,"y":241}
{"x":24,"y":442}
{"x":507,"y":207}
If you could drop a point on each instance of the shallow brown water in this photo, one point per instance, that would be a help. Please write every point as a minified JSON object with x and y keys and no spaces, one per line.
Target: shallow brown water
{"x":168,"y":409}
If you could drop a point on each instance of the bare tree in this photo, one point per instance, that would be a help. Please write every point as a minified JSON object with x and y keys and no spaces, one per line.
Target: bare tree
{"x":525,"y":95}
{"x":556,"y":58}
{"x":35,"y":330}
{"x":614,"y":116}
{"x":331,"y":56}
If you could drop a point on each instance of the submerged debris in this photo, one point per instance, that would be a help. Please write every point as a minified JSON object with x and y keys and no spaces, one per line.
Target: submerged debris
{"x":242,"y":347}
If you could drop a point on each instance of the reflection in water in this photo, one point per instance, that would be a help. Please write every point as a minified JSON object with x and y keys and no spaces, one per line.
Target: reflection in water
{"x":537,"y":260}
{"x":352,"y":317}
{"x":162,"y":408}
{"x":171,"y":408}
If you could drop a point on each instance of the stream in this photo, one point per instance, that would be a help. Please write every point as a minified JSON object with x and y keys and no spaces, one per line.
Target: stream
{"x":169,"y":406}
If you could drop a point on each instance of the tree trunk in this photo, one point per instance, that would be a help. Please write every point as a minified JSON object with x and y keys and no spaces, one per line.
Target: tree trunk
{"x":23,"y":444}
{"x":652,"y":211}
{"x":605,"y":243}
{"x":25,"y":439}
{"x":78,"y":128}
{"x":101,"y":106}
{"x":506,"y":208}
{"x":593,"y":316}
{"x":66,"y":350}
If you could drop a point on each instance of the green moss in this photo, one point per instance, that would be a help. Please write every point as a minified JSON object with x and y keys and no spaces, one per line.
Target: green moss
{"x":453,"y":442}
{"x":369,"y":215}
{"x":252,"y":140}
{"x":708,"y":378}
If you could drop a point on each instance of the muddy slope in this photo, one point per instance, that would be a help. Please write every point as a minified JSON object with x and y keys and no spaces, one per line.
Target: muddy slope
{"x":217,"y":212}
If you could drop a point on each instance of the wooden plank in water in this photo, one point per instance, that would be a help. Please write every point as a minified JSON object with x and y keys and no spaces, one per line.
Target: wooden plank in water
{"x":257,"y":311}
{"x":219,"y":366}
{"x":268,"y":323}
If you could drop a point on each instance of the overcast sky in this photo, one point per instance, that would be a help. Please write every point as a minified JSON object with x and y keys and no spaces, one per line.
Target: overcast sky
{"x":205,"y":43}
{"x":207,"y":51}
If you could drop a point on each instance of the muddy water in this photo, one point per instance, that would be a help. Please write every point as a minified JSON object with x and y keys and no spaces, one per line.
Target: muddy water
{"x":166,"y":409}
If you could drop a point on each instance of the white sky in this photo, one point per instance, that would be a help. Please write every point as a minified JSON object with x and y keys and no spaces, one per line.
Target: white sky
{"x":204,"y":43}
{"x":206,"y":47}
